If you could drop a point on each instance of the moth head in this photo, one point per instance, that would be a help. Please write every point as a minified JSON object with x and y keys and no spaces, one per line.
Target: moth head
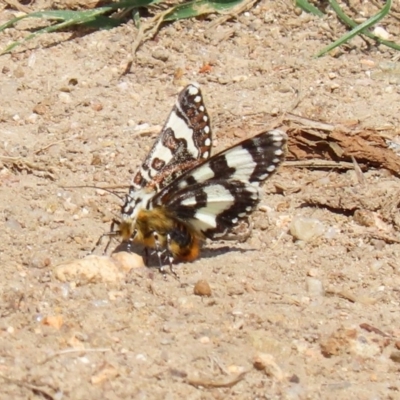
{"x":127,"y":228}
{"x":135,"y":202}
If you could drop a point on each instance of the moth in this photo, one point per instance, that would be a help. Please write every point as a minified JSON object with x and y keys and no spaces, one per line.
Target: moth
{"x":181,"y":195}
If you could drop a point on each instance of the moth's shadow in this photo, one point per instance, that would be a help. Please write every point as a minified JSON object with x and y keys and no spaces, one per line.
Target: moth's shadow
{"x":151,"y":259}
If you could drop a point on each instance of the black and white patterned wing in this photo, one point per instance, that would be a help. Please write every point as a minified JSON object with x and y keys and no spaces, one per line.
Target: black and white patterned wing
{"x":185,"y":140}
{"x":213,"y":196}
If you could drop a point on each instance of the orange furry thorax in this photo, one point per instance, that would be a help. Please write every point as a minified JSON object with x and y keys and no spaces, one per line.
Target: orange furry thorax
{"x":183,"y":243}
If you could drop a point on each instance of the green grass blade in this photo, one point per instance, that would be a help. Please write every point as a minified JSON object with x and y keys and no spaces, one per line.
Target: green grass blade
{"x":52,"y":28}
{"x":80,"y":16}
{"x":136,"y":18}
{"x":199,"y":7}
{"x":102,"y":22}
{"x":97,"y":17}
{"x":352,"y":24}
{"x":94,"y":17}
{"x":358,"y":29}
{"x":309,"y":8}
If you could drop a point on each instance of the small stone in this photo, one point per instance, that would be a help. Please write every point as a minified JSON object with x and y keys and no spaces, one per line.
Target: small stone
{"x":91,"y":269}
{"x":298,"y":11}
{"x":32,"y":118}
{"x":55,"y":321}
{"x":128,"y":261}
{"x":64,"y":97}
{"x":202,"y":288}
{"x":339,"y":342}
{"x":382,"y":33}
{"x":96,"y":159}
{"x":267,"y":363}
{"x":334,"y":86}
{"x":315,"y":287}
{"x":240,"y":78}
{"x":275,"y":111}
{"x":294,"y":379}
{"x":306,"y":229}
{"x":364,"y":218}
{"x":123,"y":86}
{"x":40,"y":109}
{"x":313,"y":272}
{"x":204,"y":340}
{"x":160,"y":54}
{"x":395,"y":356}
{"x":96,"y":105}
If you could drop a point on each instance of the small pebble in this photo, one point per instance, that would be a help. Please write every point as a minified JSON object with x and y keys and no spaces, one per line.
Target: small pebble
{"x":89,"y":270}
{"x":96,"y":105}
{"x":313,"y":272}
{"x":40,"y":109}
{"x":382,"y":33}
{"x":204,"y":340}
{"x":306,"y":229}
{"x":315,"y":287}
{"x":364,"y":218}
{"x":202,"y":288}
{"x":395,"y":356}
{"x":55,"y":321}
{"x":32,"y":118}
{"x":266,"y":362}
{"x":64,"y":97}
{"x":128,"y":261}
{"x":294,"y":379}
{"x":160,"y":54}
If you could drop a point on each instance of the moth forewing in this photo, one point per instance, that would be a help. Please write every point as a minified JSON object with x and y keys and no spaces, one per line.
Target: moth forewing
{"x":185,"y":137}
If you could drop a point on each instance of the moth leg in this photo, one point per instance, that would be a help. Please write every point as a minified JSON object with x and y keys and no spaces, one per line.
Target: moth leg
{"x":146,"y":256}
{"x":113,"y":233}
{"x":159,"y":252}
{"x":129,"y":242}
{"x":170,"y":256}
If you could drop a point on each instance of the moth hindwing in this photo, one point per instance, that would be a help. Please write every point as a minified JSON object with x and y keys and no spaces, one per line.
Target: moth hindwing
{"x":180,"y":195}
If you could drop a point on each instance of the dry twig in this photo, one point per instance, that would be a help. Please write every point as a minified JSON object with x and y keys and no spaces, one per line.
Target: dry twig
{"x":22,"y":164}
{"x":211,"y":383}
{"x":69,"y":351}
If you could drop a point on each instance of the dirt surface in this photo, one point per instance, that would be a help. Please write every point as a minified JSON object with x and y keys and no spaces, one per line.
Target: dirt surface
{"x":316,"y":318}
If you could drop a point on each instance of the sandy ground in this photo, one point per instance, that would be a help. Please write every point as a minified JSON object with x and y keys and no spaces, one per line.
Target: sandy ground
{"x":287,"y":319}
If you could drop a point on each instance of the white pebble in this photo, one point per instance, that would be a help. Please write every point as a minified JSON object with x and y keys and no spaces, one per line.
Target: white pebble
{"x":315,"y":288}
{"x":382,"y":33}
{"x":306,"y":229}
{"x":123,"y":86}
{"x":141,"y":357}
{"x":64,"y":97}
{"x":32,"y":118}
